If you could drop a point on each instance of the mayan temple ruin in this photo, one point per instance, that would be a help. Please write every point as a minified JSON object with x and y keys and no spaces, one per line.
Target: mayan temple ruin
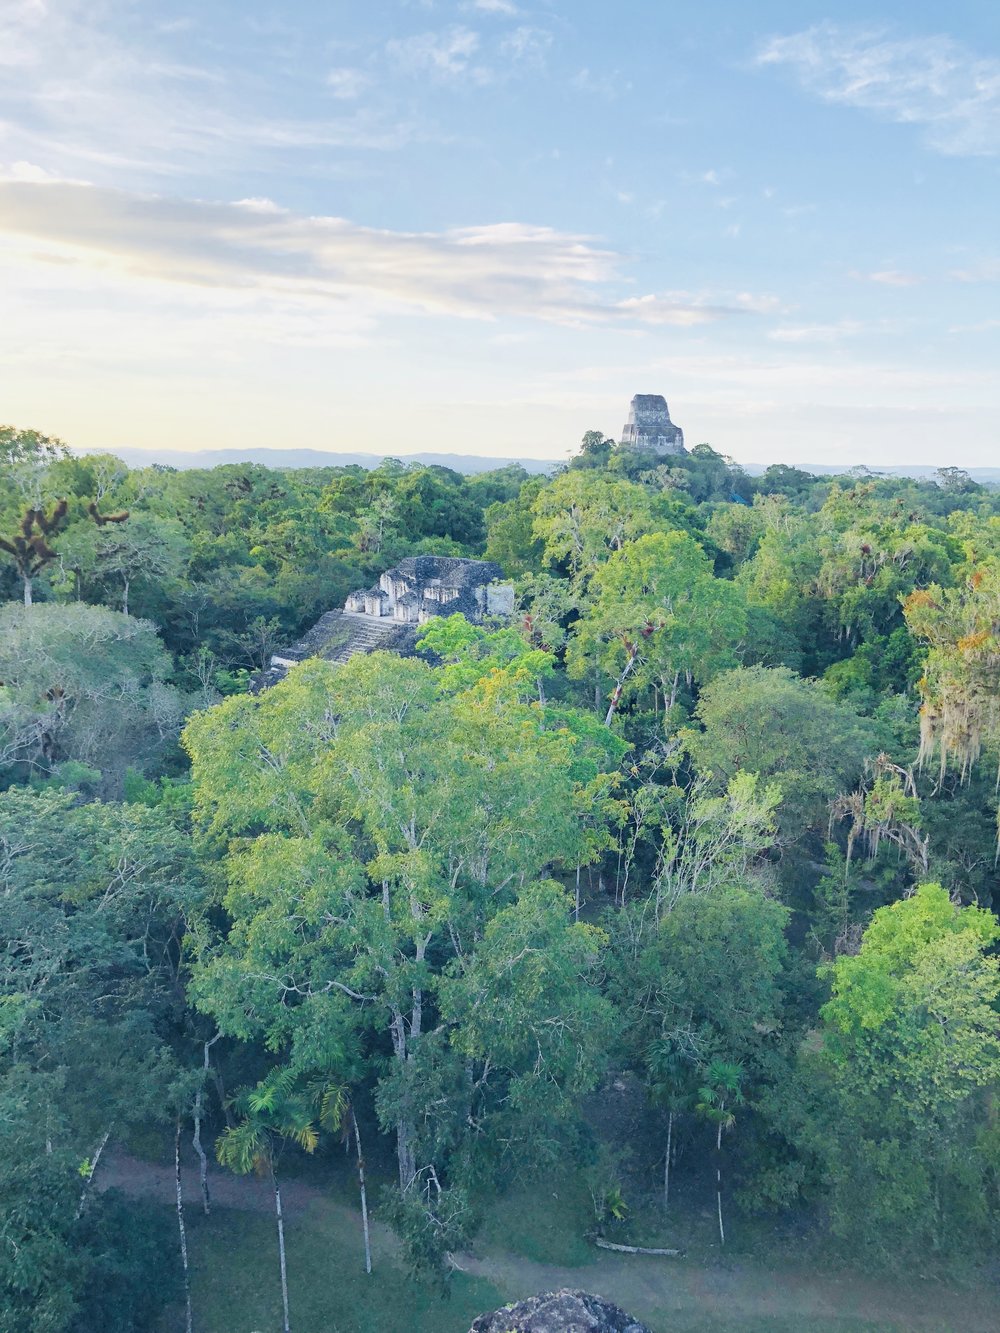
{"x":649,"y":426}
{"x":385,"y":617}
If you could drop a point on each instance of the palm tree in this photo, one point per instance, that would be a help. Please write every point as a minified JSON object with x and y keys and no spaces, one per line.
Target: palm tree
{"x":284,"y":1106}
{"x":670,"y":1072}
{"x":718,"y":1095}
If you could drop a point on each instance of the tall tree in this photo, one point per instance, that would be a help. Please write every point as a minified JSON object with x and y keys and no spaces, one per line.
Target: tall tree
{"x":400,"y":820}
{"x":85,"y":685}
{"x":902,"y":1086}
{"x":659,"y":618}
{"x":789,"y":731}
{"x":718,"y":1098}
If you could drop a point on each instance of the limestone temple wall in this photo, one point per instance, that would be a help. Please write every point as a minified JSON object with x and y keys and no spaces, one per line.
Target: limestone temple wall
{"x":649,"y":425}
{"x":384,"y":618}
{"x":420,"y":587}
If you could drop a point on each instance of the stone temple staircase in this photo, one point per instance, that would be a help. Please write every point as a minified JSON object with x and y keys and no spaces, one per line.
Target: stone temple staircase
{"x":352,"y":633}
{"x":337,"y":637}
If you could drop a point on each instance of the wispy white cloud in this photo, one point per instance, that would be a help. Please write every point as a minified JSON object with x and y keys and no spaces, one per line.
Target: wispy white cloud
{"x":602,"y":83}
{"x":494,"y":6}
{"x":527,"y":45}
{"x":486,"y":272}
{"x":984,"y":270}
{"x":448,"y":55}
{"x":817,"y":333}
{"x":347,"y":83}
{"x":934,"y":82}
{"x":893,"y":277}
{"x":183,"y":23}
{"x":458,"y":54}
{"x":980,"y":326}
{"x":82,"y":98}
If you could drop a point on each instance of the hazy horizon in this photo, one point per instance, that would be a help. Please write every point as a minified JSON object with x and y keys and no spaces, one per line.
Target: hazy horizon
{"x":480,"y":226}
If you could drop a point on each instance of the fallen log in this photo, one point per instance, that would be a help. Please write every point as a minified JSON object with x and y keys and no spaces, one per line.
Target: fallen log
{"x":636,"y":1249}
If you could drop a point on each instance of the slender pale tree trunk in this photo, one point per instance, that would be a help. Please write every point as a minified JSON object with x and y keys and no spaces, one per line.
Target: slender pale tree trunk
{"x":125,"y":597}
{"x":673,"y":690}
{"x":364,"y":1193}
{"x":27,"y":589}
{"x":281,"y":1249}
{"x":182,"y":1230}
{"x":718,"y":1181}
{"x":666,"y":1162}
{"x":206,"y":1202}
{"x":90,"y":1174}
{"x":633,"y":657}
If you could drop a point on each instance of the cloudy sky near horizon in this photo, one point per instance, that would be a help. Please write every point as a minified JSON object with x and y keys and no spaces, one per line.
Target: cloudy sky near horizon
{"x":480,"y":226}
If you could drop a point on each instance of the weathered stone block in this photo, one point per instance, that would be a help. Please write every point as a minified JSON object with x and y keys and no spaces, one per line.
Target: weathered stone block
{"x":649,"y":425}
{"x":563,"y":1311}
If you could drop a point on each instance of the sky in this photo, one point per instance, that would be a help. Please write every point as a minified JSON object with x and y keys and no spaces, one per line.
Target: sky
{"x":480,"y":226}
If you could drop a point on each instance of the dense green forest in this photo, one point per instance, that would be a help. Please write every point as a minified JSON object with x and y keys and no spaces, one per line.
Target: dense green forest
{"x":709,"y":828}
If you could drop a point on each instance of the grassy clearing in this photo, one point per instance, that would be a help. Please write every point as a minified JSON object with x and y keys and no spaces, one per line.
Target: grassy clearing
{"x":236,"y":1282}
{"x":674,"y":1323}
{"x":546,"y":1223}
{"x":236,"y":1288}
{"x":534,"y":1239}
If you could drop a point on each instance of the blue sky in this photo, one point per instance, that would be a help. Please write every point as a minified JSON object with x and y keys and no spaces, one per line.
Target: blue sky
{"x":482,"y":225}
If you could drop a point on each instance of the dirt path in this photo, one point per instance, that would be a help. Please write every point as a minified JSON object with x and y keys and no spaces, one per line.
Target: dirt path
{"x":251,"y":1194}
{"x":650,"y":1287}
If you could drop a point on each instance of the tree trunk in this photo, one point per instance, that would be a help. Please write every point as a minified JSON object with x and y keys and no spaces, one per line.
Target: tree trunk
{"x":673,"y":690}
{"x":364,"y":1194}
{"x":404,"y":1126}
{"x":220,"y":1092}
{"x":206,"y":1202}
{"x":90,"y":1174}
{"x":666,"y":1163}
{"x":718,"y":1182}
{"x":603,"y":1244}
{"x":181,"y":1228}
{"x":125,"y":598}
{"x":27,"y":589}
{"x":616,"y":695}
{"x":405,"y":1154}
{"x":281,"y":1250}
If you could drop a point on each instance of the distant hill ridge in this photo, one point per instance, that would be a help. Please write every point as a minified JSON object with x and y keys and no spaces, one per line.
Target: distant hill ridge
{"x":467,"y":463}
{"x":295,"y":458}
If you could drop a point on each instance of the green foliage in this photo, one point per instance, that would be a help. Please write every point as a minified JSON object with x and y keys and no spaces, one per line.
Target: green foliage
{"x":431,"y":1223}
{"x":382,"y":866}
{"x":128,"y":1256}
{"x":82,"y":684}
{"x":904,"y":1077}
{"x":788,"y":731}
{"x":720,"y":1094}
{"x":583,"y":517}
{"x":658,"y":617}
{"x":579,"y":862}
